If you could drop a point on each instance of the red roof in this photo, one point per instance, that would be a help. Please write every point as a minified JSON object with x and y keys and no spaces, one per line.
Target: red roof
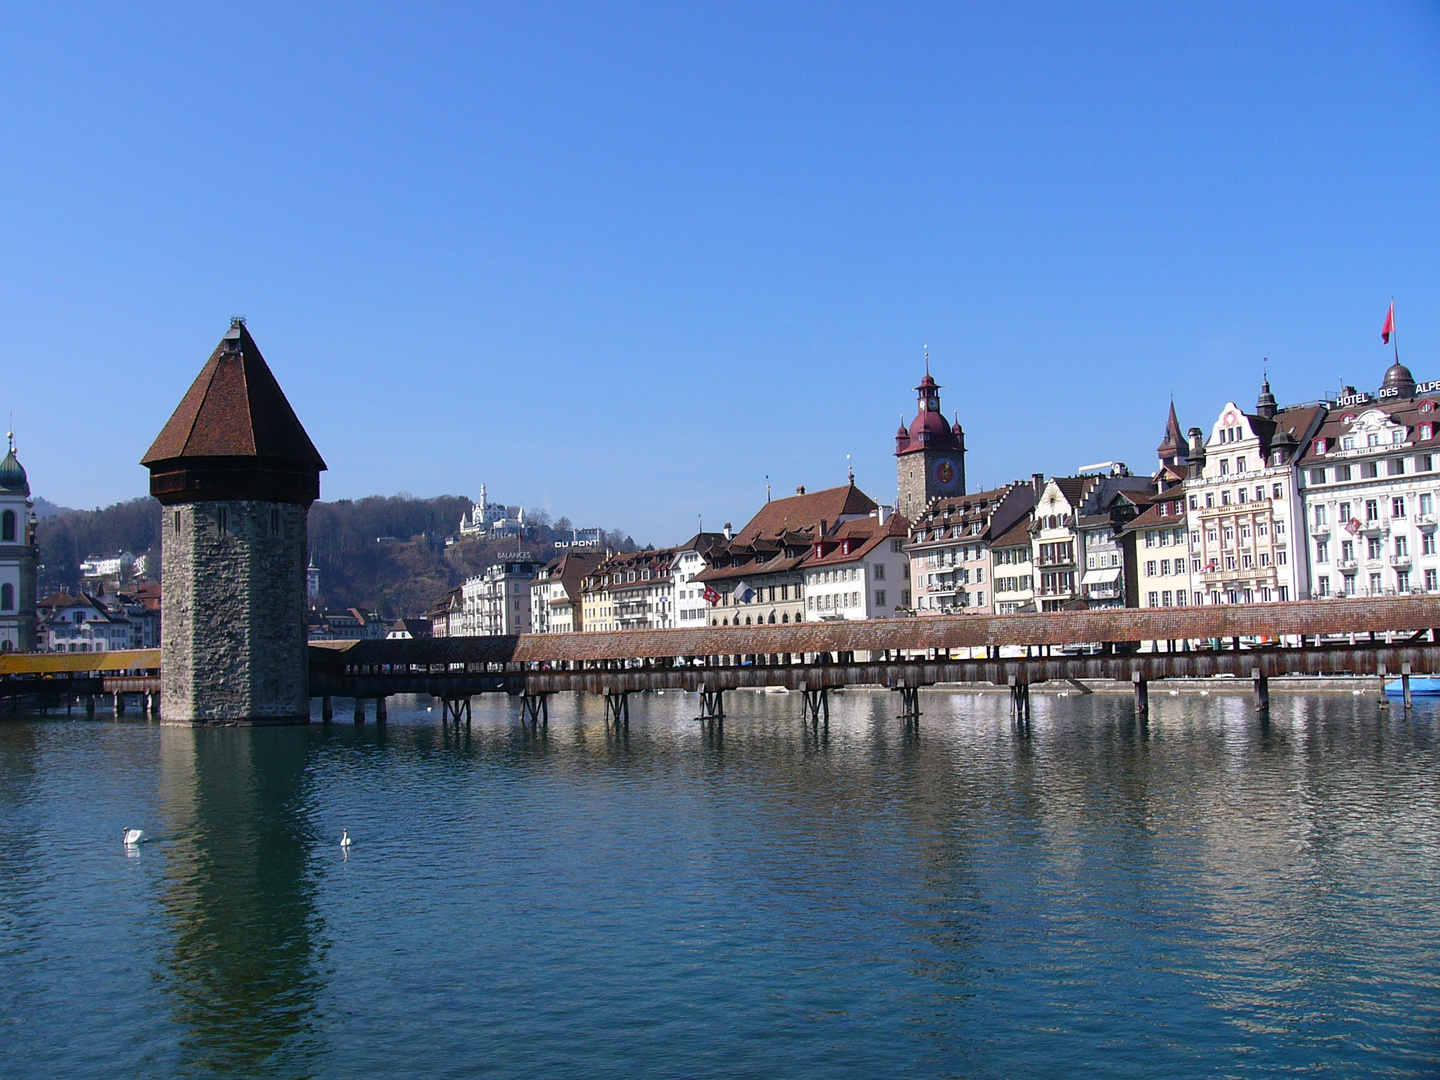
{"x":802,"y":512}
{"x":234,"y":409}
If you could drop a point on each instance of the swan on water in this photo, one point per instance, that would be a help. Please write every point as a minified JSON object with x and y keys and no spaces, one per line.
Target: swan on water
{"x":344,"y":837}
{"x":134,"y":836}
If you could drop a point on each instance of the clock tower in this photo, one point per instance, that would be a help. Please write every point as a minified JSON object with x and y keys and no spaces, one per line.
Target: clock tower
{"x":930,"y":454}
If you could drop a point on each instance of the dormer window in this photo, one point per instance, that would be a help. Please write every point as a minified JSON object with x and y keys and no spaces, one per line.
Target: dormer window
{"x":1427,"y":406}
{"x":1427,"y":431}
{"x":1320,"y":446}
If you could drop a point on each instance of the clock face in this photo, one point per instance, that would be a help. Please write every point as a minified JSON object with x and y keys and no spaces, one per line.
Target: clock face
{"x":946,"y":474}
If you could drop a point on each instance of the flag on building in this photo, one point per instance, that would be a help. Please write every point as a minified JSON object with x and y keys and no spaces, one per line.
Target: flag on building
{"x":711,"y":596}
{"x":743,"y":593}
{"x":1389,"y":327}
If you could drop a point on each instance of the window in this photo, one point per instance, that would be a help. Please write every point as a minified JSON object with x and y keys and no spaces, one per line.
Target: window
{"x":1239,"y":464}
{"x":1372,"y":509}
{"x":1244,"y":532}
{"x":1424,"y":463}
{"x":1347,"y":550}
{"x":1402,"y":545}
{"x":7,"y":591}
{"x":177,"y":522}
{"x":1427,"y":544}
{"x":1195,"y":538}
{"x":1152,"y":540}
{"x":1262,"y":528}
{"x":1150,"y":568}
{"x":1374,"y":548}
{"x":880,"y":598}
{"x":1225,"y":498}
{"x":1167,"y":598}
{"x":1427,"y":431}
{"x":1241,"y":494}
{"x":1397,"y":507}
{"x":222,"y":519}
{"x":7,"y":527}
{"x":1432,"y":581}
{"x":1280,"y":559}
{"x":1427,"y":504}
{"x":1375,"y":587}
{"x":879,"y":569}
{"x":1369,"y":470}
{"x":1342,"y":472}
{"x":1322,"y":551}
{"x":1322,"y":585}
{"x":1224,"y":466}
{"x":1349,"y":584}
{"x":1344,"y":516}
{"x":1246,"y":561}
{"x":1229,"y":533}
{"x":1154,"y":599}
{"x":1229,"y":562}
{"x":1209,"y":499}
{"x":1194,"y":503}
{"x":1396,"y":466}
{"x":1278,"y":491}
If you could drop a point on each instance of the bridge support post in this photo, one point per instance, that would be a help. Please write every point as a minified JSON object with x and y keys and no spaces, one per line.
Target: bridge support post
{"x":149,"y":704}
{"x":1019,"y":701}
{"x":617,"y":707}
{"x":909,"y":705}
{"x":1262,"y":690}
{"x":1142,"y":694}
{"x":816,"y":705}
{"x":1405,"y":685}
{"x":359,"y":710}
{"x":90,"y":706}
{"x":119,"y":703}
{"x":327,"y":709}
{"x":382,"y":714}
{"x":712,"y":706}
{"x":536,"y":709}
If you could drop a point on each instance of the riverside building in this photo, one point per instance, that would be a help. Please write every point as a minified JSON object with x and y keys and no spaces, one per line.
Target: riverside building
{"x":757,"y":575}
{"x":1054,"y":532}
{"x":1369,"y":484}
{"x":1243,"y":505}
{"x":18,"y":558}
{"x":555,"y":595}
{"x":859,"y":570}
{"x":1011,"y":569}
{"x":497,"y":601}
{"x":951,"y":563}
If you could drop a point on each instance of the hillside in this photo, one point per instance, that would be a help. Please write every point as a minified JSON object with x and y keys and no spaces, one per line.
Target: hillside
{"x":381,"y":553}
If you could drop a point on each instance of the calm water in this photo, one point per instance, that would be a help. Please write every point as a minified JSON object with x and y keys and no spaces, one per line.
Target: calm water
{"x":1204,"y":896}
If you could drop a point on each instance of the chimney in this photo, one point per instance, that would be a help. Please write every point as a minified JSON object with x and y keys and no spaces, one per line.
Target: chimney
{"x":1037,"y":481}
{"x":728,"y":533}
{"x":881,"y":513}
{"x":800,"y":490}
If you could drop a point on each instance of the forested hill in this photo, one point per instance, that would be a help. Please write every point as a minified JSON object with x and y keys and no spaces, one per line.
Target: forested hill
{"x":382,"y":553}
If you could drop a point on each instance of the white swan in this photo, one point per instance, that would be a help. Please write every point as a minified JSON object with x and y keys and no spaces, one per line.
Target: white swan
{"x":345,"y":838}
{"x":134,"y":836}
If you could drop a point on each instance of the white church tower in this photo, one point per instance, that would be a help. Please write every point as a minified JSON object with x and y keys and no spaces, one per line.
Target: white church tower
{"x":18,"y":557}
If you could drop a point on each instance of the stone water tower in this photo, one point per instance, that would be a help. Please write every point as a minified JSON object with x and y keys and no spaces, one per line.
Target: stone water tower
{"x":236,"y":474}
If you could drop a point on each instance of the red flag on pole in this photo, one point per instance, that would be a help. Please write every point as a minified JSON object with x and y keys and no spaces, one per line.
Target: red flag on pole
{"x":1389,"y":327}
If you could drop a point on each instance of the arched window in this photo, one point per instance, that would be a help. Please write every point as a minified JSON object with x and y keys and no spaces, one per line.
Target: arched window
{"x":7,"y":597}
{"x":7,"y":527}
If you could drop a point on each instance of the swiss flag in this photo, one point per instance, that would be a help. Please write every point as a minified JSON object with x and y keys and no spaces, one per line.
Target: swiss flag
{"x":1389,"y":327}
{"x":711,"y":596}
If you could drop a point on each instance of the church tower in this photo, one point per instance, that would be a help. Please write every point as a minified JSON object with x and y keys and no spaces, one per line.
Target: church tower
{"x":930,"y":454}
{"x":18,"y":557}
{"x":236,"y":474}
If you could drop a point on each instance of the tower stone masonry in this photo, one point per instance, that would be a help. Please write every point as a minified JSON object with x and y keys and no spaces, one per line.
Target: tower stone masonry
{"x":236,"y":474}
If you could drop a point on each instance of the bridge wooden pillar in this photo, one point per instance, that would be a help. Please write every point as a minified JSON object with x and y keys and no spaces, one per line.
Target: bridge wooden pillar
{"x":1262,"y":689}
{"x":617,"y":707}
{"x":712,"y":706}
{"x":90,"y":705}
{"x":119,"y":703}
{"x":816,"y":704}
{"x":327,"y":709}
{"x":1142,"y":694}
{"x":359,"y":710}
{"x":535,"y":708}
{"x":909,"y":705}
{"x":382,"y":714}
{"x":1405,"y":685}
{"x":1019,"y":701}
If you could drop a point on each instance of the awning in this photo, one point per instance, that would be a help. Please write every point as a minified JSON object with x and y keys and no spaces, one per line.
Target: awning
{"x":1108,"y":576}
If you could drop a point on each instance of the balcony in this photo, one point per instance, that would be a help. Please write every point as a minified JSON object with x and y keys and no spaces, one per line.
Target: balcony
{"x":1425,"y":522}
{"x":1374,"y":527}
{"x":1400,"y":562}
{"x":1320,"y":528}
{"x":1347,"y":566}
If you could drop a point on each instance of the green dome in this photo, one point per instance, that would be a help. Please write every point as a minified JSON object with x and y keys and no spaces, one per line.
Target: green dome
{"x":12,"y":475}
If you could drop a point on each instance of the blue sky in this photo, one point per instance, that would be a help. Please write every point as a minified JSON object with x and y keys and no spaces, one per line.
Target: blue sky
{"x":625,"y":261}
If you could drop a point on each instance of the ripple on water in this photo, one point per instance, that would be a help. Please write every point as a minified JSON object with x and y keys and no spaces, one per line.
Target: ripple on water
{"x":1200,"y":895}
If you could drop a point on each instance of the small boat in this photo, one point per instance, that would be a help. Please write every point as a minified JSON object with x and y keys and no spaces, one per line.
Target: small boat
{"x":1420,"y":686}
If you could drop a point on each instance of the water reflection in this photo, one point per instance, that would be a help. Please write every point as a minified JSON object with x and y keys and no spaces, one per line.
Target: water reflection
{"x":244,"y":967}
